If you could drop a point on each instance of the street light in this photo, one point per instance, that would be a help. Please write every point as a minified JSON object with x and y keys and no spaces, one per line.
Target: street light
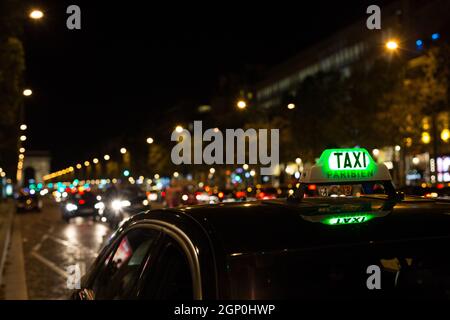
{"x":241,"y":104}
{"x":392,"y":45}
{"x":23,"y":127}
{"x":36,"y":14}
{"x":106,"y":157}
{"x":79,"y":166}
{"x":86,"y":163}
{"x":95,"y":161}
{"x":149,"y":140}
{"x":27,"y":92}
{"x":426,"y":138}
{"x":23,"y":138}
{"x":445,"y":135}
{"x":22,"y":150}
{"x":291,"y":106}
{"x":179,"y":129}
{"x":123,"y":150}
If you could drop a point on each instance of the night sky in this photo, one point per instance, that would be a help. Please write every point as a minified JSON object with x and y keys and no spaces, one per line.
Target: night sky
{"x":133,"y":60}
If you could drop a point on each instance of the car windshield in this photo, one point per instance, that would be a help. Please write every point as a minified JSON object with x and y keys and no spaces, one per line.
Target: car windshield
{"x":414,"y":269}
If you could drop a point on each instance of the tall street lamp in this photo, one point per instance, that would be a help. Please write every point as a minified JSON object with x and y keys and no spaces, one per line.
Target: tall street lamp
{"x":36,"y":14}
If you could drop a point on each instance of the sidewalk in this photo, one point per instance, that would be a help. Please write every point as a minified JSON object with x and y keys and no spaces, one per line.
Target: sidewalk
{"x":6,"y":220}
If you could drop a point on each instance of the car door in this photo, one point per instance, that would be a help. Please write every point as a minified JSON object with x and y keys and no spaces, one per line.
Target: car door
{"x":119,"y":271}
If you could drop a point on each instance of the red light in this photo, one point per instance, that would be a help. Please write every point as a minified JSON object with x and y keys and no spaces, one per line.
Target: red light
{"x":240,"y":194}
{"x":440,"y":186}
{"x":81,"y":201}
{"x":163,"y":194}
{"x":312,"y":187}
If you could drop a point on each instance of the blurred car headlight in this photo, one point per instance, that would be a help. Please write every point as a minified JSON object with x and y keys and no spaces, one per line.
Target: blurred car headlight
{"x":119,"y":204}
{"x":71,"y":207}
{"x":125,"y":203}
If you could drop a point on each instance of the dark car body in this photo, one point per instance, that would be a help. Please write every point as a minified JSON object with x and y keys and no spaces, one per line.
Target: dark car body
{"x":84,"y":203}
{"x":276,"y":250}
{"x":27,"y":202}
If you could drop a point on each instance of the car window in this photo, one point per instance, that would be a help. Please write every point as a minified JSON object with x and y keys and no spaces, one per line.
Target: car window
{"x":414,"y":269}
{"x":171,"y":279}
{"x":121,"y":269}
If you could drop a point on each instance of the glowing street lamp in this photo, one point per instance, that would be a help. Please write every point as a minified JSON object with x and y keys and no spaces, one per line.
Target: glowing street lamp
{"x":179,"y":129}
{"x":392,"y":45}
{"x":36,"y":14}
{"x":123,"y":150}
{"x":95,"y":161}
{"x":27,"y":92}
{"x":426,"y":138}
{"x":241,"y":104}
{"x":291,"y":106}
{"x":445,"y":135}
{"x":106,"y":157}
{"x":23,"y":127}
{"x":23,"y":138}
{"x":149,"y":140}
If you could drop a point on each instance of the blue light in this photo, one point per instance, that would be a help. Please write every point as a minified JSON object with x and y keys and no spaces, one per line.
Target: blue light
{"x":435,"y":36}
{"x":126,"y":173}
{"x":419,"y":43}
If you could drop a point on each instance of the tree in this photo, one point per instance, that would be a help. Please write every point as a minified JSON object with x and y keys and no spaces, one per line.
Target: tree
{"x":12,"y":66}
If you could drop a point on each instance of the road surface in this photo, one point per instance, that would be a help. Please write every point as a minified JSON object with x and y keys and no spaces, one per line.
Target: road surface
{"x":45,"y":247}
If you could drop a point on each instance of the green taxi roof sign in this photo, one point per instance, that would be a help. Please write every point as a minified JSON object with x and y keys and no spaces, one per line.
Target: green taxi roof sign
{"x":346,"y":165}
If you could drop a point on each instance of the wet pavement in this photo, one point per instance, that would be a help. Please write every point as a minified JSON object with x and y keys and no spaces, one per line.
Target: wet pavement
{"x":52,"y":247}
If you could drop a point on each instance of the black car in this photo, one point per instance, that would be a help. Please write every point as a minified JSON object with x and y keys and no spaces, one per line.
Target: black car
{"x":354,"y":243}
{"x":121,"y":203}
{"x":277,"y":250}
{"x":79,"y":204}
{"x":28,"y":202}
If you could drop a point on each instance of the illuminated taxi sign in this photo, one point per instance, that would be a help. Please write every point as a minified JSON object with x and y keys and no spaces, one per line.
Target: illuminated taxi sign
{"x":343,"y":220}
{"x":346,"y":218}
{"x":348,"y":160}
{"x":346,"y":165}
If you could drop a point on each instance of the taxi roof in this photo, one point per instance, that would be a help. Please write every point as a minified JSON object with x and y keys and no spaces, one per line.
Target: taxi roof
{"x":273,"y":226}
